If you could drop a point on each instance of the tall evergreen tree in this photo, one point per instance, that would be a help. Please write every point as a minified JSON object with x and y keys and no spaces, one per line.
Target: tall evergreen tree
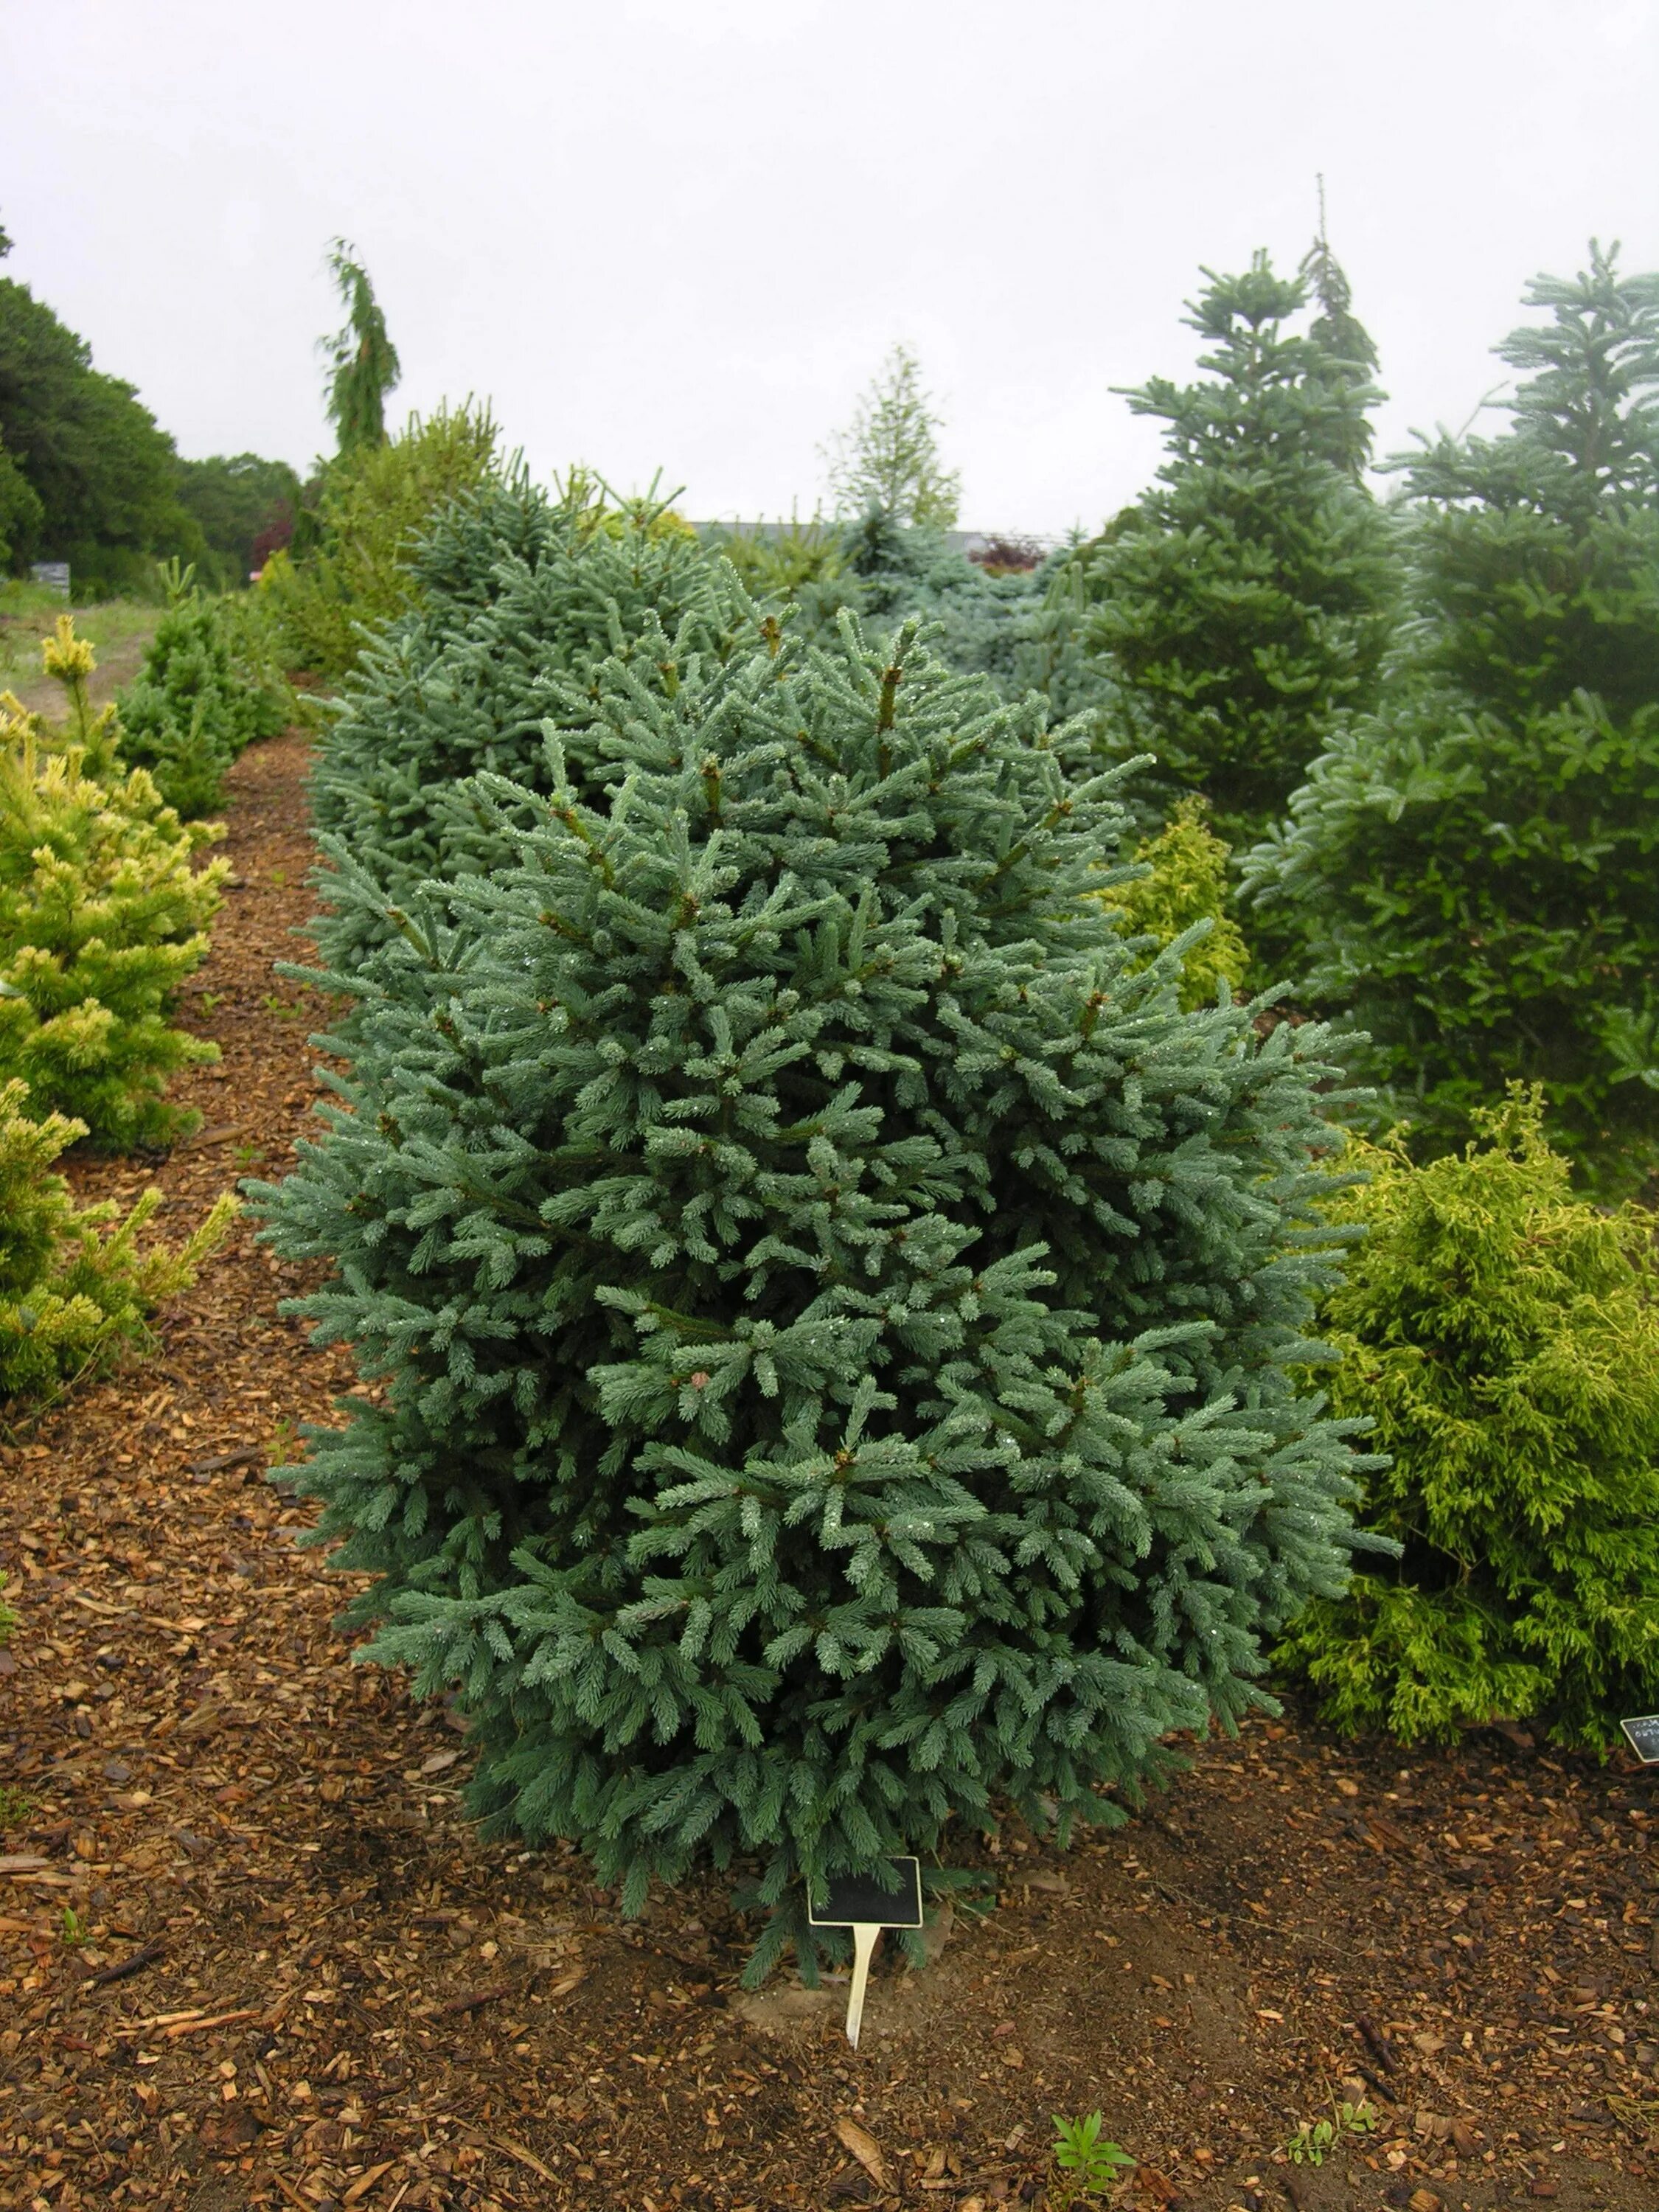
{"x":1246,"y":599}
{"x":1472,"y":870}
{"x":840,"y":1316}
{"x":363,"y":364}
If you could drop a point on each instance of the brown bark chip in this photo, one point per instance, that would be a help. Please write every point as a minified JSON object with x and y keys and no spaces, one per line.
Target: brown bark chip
{"x":304,"y":1980}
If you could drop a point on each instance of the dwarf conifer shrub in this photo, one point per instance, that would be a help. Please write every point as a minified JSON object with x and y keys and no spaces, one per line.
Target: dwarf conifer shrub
{"x":1504,"y":1332}
{"x":1182,"y":883}
{"x":76,"y":1283}
{"x":103,"y":913}
{"x":523,"y":597}
{"x":838,"y":1311}
{"x":191,"y":710}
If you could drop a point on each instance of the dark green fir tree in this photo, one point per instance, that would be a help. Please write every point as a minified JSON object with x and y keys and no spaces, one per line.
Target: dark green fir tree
{"x":1474,"y":870}
{"x":842,"y":1324}
{"x":1246,"y":599}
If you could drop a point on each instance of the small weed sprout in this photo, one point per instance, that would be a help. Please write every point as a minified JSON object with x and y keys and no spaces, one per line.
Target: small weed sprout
{"x":1312,"y":2144}
{"x":73,"y":1929}
{"x":17,"y":1807}
{"x":1088,"y":2166}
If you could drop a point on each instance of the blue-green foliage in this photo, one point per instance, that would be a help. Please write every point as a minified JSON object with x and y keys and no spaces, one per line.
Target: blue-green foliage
{"x":1023,"y":628}
{"x":519,"y":597}
{"x":838,"y":1319}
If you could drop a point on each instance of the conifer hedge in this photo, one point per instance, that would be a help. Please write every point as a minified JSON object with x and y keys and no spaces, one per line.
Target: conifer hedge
{"x":839,"y":1316}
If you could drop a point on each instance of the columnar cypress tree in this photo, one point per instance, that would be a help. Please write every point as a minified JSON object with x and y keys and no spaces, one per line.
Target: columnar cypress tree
{"x":840,"y":1317}
{"x":1247,"y":598}
{"x":1472,"y":871}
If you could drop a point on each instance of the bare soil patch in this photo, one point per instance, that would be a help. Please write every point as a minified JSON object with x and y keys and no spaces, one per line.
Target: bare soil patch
{"x":305,"y":1981}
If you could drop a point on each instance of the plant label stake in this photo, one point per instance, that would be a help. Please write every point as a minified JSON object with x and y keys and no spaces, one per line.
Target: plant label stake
{"x":858,"y":1902}
{"x":1642,"y":1736}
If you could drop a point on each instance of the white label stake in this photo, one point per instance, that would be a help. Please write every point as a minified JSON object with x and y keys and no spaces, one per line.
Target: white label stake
{"x":865,"y":1906}
{"x":865,"y":1934}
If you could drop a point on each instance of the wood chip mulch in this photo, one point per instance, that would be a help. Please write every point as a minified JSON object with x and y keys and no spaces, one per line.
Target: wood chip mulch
{"x":251,"y":1953}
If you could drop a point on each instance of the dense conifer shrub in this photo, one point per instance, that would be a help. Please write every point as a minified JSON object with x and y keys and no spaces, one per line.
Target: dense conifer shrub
{"x":522,"y":598}
{"x":103,"y":912}
{"x":1503,"y":1334}
{"x":1474,"y":870}
{"x":192,"y":709}
{"x":1018,"y":626}
{"x":838,"y":1313}
{"x":75,"y":1284}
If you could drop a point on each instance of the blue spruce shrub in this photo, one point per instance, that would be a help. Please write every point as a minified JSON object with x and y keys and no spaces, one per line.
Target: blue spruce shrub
{"x":520,"y":597}
{"x":840,"y":1317}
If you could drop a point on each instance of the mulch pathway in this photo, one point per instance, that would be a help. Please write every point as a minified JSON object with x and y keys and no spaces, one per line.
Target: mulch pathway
{"x":253,"y":1953}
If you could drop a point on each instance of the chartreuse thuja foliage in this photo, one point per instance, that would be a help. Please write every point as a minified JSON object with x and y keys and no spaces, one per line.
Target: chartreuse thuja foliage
{"x":1503,"y":1334}
{"x":840,"y":1314}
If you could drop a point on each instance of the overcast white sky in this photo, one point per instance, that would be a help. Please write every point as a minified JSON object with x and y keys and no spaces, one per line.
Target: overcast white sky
{"x":682,"y":233}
